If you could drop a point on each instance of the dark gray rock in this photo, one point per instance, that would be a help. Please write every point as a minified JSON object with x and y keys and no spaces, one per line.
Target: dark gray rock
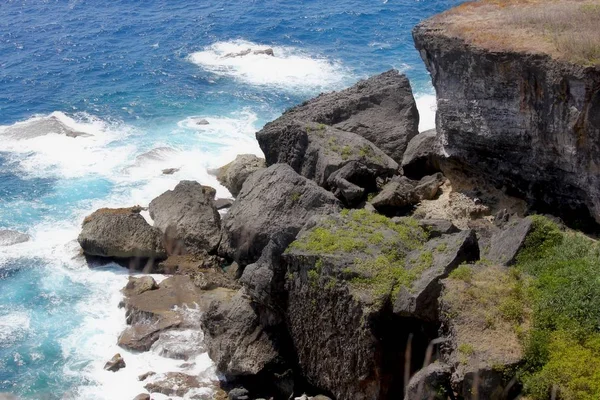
{"x":8,"y":237}
{"x":430,"y":383}
{"x":236,"y":341}
{"x":422,"y":156}
{"x":222,"y":204}
{"x":238,"y":394}
{"x":401,"y":192}
{"x":40,"y":127}
{"x":273,"y":201}
{"x":524,"y":121}
{"x":170,"y":171}
{"x":116,"y":363}
{"x":326,"y":155}
{"x":234,"y":174}
{"x":188,"y":214}
{"x":268,"y":52}
{"x":146,"y":375}
{"x":381,"y":109}
{"x":438,"y":227}
{"x":436,"y":260}
{"x":139,"y":285}
{"x":120,"y":233}
{"x":506,"y":244}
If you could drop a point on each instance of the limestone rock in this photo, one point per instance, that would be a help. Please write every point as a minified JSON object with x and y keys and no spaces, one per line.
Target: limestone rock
{"x":120,"y":233}
{"x":234,"y":174}
{"x":115,"y":363}
{"x":273,"y":201}
{"x":139,"y":285}
{"x":381,"y":109}
{"x":173,"y":384}
{"x":189,"y":211}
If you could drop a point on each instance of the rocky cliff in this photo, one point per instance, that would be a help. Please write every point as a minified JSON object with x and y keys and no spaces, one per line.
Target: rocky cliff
{"x":512,"y":107}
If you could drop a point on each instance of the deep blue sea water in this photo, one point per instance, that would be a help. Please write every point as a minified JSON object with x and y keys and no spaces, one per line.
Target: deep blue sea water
{"x":137,"y":76}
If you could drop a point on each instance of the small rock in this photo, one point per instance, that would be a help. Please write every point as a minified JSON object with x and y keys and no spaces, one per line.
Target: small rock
{"x":238,"y":394}
{"x":115,"y":363}
{"x":170,"y":171}
{"x":146,"y":375}
{"x":173,"y":384}
{"x":401,"y":193}
{"x":202,"y":121}
{"x":142,"y":396}
{"x":139,"y":285}
{"x":223,"y":203}
{"x":268,"y":52}
{"x":234,"y":174}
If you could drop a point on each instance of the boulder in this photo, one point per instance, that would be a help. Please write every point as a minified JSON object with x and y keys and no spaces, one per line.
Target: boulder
{"x":222,"y":204}
{"x":234,"y":174}
{"x":146,"y":375}
{"x":423,"y":155}
{"x":142,"y":396}
{"x":236,"y":341}
{"x":170,"y":171}
{"x":139,"y":285}
{"x":120,"y":233}
{"x":238,"y":394}
{"x":339,"y":161}
{"x":205,"y":270}
{"x":434,"y":262}
{"x":438,"y":227}
{"x":188,"y":214}
{"x":432,"y":382}
{"x":275,"y":200}
{"x":401,"y":193}
{"x":141,"y":336}
{"x":115,"y":363}
{"x":8,"y":237}
{"x":506,"y":244}
{"x":381,"y":109}
{"x":268,"y":52}
{"x":173,"y":384}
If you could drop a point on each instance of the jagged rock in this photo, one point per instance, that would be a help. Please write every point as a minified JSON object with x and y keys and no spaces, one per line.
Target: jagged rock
{"x":236,"y":341}
{"x":204,"y":269}
{"x":40,"y":127}
{"x":141,"y":337}
{"x":381,"y":109}
{"x":506,"y":244}
{"x":180,"y":344}
{"x":238,"y":394}
{"x":201,"y":121}
{"x":435,"y":261}
{"x":401,"y":193}
{"x":234,"y":271}
{"x":142,"y":396}
{"x":222,"y":204}
{"x":116,"y":363}
{"x":170,"y":171}
{"x":139,"y":285}
{"x":238,"y":54}
{"x":173,"y":384}
{"x":189,"y":212}
{"x":432,"y":382}
{"x":438,"y":227}
{"x":273,"y":201}
{"x":525,"y":121}
{"x":146,"y":375}
{"x":422,"y":156}
{"x":8,"y":237}
{"x":339,"y":161}
{"x":234,"y":174}
{"x":120,"y":233}
{"x":268,"y":52}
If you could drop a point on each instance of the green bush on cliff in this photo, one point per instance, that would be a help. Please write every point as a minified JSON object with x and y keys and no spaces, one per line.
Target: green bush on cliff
{"x":562,"y":349}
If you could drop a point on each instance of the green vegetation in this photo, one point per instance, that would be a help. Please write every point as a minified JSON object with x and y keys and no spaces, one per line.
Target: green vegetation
{"x":295,"y":197}
{"x":463,"y":273}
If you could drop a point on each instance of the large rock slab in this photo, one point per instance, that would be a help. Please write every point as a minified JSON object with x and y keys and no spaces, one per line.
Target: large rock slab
{"x":337,"y":160}
{"x":234,"y":174}
{"x":381,"y":109}
{"x":520,"y":119}
{"x":423,"y":155}
{"x":188,"y":214}
{"x":402,"y":193}
{"x":506,"y":244}
{"x":273,"y":201}
{"x":120,"y":233}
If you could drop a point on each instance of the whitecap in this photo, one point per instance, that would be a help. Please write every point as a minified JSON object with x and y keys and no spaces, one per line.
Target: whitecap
{"x":13,"y":327}
{"x":427,"y":106}
{"x":289,"y":69}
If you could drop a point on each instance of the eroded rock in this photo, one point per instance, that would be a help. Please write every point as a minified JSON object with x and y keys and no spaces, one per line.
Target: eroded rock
{"x":401,"y":193}
{"x":116,"y":363}
{"x":234,"y":174}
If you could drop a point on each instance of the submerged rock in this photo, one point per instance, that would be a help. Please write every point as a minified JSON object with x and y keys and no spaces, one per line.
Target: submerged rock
{"x":40,"y":127}
{"x":8,"y":237}
{"x":189,"y":218}
{"x":381,"y":109}
{"x":120,"y":233}
{"x":142,"y":396}
{"x":170,"y":171}
{"x":234,"y":174}
{"x":273,"y":201}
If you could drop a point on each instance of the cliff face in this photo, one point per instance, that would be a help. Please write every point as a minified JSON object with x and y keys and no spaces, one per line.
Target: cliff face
{"x":529,"y":122}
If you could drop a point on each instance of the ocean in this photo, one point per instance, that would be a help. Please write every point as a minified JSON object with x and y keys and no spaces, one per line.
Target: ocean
{"x":133,"y":78}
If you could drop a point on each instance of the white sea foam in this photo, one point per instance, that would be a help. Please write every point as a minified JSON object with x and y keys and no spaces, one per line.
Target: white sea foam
{"x":289,"y":69}
{"x":427,"y":106}
{"x":13,"y":327}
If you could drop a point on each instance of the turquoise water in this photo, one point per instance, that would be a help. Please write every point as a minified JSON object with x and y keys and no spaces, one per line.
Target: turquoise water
{"x":134,"y":75}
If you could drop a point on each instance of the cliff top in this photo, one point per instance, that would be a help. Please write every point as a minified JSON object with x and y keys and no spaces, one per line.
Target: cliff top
{"x":565,"y":29}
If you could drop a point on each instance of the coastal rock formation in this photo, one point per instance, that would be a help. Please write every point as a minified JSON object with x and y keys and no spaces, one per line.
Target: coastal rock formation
{"x":188,"y":217}
{"x":381,"y":109}
{"x":234,"y":174}
{"x":524,"y":116}
{"x":401,"y":193}
{"x":422,"y":155}
{"x":115,"y":363}
{"x":432,"y":382}
{"x":273,"y":201}
{"x":40,"y":127}
{"x":120,"y":233}
{"x":342,"y":162}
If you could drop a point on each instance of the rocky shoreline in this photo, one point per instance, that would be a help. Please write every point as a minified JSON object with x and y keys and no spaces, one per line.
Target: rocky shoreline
{"x":340,"y":269}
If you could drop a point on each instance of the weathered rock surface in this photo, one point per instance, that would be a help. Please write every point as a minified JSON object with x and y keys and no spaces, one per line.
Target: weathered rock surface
{"x":506,"y":244}
{"x":234,"y":174}
{"x":173,"y":384}
{"x":120,"y":233}
{"x":40,"y":127}
{"x":114,"y":364}
{"x":438,"y":227}
{"x":205,"y":270}
{"x":401,"y":193}
{"x":8,"y":237}
{"x":432,"y":382}
{"x":340,"y":161}
{"x":273,"y":201}
{"x":381,"y":109}
{"x":520,"y":119}
{"x":138,"y":285}
{"x":423,"y":154}
{"x":222,"y":204}
{"x":188,"y":214}
{"x":434,"y":262}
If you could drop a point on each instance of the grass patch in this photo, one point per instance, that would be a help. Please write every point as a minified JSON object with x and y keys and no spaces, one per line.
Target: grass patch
{"x":463,"y":272}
